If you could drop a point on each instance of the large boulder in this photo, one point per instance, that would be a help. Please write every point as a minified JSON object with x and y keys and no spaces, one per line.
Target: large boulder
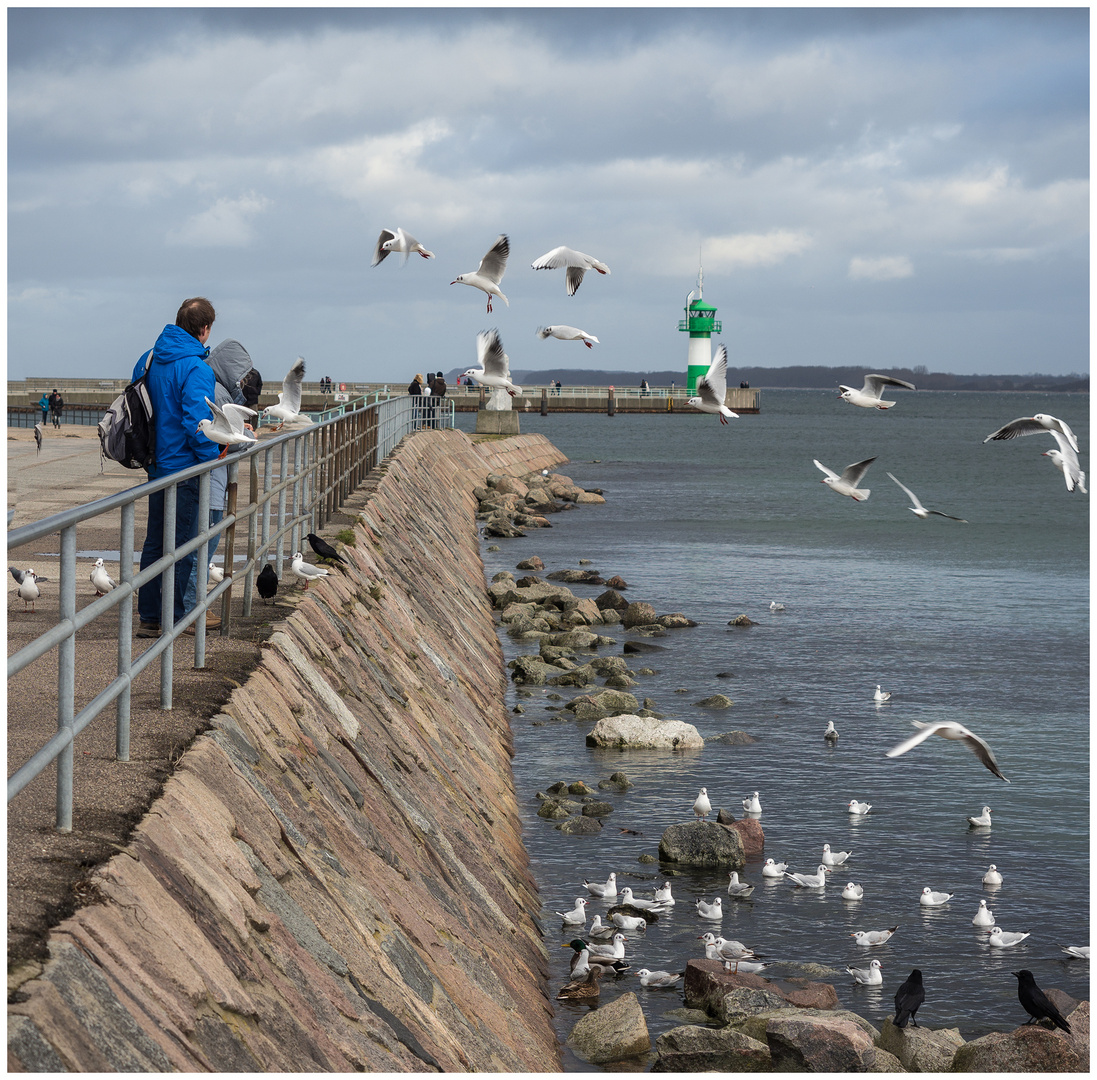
{"x":715,"y":701}
{"x":707,"y":984}
{"x":609,"y":702}
{"x":674,"y":621}
{"x":576,"y":577}
{"x":818,"y":1044}
{"x":1029,"y":1049}
{"x":920,"y":1049}
{"x":702,"y":1049}
{"x":629,"y":731}
{"x":582,"y":825}
{"x":702,"y":844}
{"x":750,"y":832}
{"x":612,"y":1032}
{"x":638,"y":614}
{"x":736,"y":1005}
{"x":611,"y":599}
{"x":532,"y":671}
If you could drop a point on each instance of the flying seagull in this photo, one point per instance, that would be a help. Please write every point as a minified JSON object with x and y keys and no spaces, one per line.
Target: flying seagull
{"x":494,"y":369}
{"x":289,"y":400}
{"x":398,"y":240}
{"x":490,"y":272}
{"x":227,"y":426}
{"x":568,"y":333}
{"x":712,"y":388}
{"x":919,"y":510}
{"x":846,"y":484}
{"x":1065,"y":458}
{"x":950,"y":729}
{"x":576,"y":262}
{"x":868,"y":397}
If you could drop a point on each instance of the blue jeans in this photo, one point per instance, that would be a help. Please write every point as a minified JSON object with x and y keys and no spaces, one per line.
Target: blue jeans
{"x":149,"y":596}
{"x":191,"y":597}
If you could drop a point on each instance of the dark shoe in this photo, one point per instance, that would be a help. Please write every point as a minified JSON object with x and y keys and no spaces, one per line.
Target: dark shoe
{"x":212,"y":623}
{"x":148,"y":629}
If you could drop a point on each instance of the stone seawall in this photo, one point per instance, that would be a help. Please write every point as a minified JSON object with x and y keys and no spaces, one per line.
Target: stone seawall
{"x":333,"y":879}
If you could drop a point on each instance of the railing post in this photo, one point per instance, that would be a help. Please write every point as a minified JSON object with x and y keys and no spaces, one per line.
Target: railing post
{"x":66,"y":678}
{"x":611,"y":404}
{"x":230,"y":548}
{"x":167,"y":595}
{"x":125,"y":634}
{"x":544,"y":401}
{"x":201,"y":569}
{"x":253,"y":525}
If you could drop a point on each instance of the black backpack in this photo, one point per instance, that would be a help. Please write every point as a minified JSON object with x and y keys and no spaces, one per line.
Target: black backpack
{"x":126,"y":432}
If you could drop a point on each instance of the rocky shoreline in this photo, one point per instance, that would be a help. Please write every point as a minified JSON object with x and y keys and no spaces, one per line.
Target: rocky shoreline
{"x":733,"y":1022}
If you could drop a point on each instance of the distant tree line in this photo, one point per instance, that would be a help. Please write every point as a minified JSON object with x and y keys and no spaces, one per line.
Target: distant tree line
{"x":805,"y":377}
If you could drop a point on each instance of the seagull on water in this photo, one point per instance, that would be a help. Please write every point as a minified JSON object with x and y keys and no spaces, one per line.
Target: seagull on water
{"x":929,"y":898}
{"x":846,"y":484}
{"x":817,"y":880}
{"x":614,"y":951}
{"x":751,"y":804}
{"x":306,"y":572}
{"x":869,"y":396}
{"x":576,"y":262}
{"x":577,"y":915}
{"x":984,"y":916}
{"x":702,"y":807}
{"x":599,"y":930}
{"x":774,"y":869}
{"x":227,"y":426}
{"x":834,"y":858}
{"x":632,"y":923}
{"x":920,"y":511}
{"x":736,"y":888}
{"x":658,"y":980}
{"x":663,"y":896}
{"x":881,"y":695}
{"x":869,"y":938}
{"x":397,"y":240}
{"x":607,"y":890}
{"x":490,"y":271}
{"x":982,"y":821}
{"x":1078,"y":952}
{"x":1003,"y":939}
{"x":28,"y":588}
{"x":859,"y":808}
{"x":289,"y":399}
{"x":713,"y":911}
{"x":870,"y":976}
{"x":992,"y":877}
{"x":831,"y":733}
{"x":637,"y":902}
{"x":853,"y":892}
{"x":774,"y":606}
{"x":102,"y":581}
{"x":712,"y":388}
{"x":1065,"y":458}
{"x":950,"y":729}
{"x":494,"y":369}
{"x":568,"y":333}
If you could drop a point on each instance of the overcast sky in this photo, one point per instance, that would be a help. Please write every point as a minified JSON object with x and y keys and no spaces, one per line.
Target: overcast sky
{"x":876,"y":187}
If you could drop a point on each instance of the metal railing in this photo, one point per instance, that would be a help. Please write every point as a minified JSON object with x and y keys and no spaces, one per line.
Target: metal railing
{"x":296,"y":481}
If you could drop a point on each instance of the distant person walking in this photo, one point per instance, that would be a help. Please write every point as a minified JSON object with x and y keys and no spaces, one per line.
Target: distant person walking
{"x":437,"y":392}
{"x":179,"y":381}
{"x":44,"y":405}
{"x":57,"y":403}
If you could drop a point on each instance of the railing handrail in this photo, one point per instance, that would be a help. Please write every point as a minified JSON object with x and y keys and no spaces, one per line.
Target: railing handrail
{"x":307,"y":474}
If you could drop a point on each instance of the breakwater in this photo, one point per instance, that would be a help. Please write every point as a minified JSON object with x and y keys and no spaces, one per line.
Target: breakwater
{"x":333,"y":878}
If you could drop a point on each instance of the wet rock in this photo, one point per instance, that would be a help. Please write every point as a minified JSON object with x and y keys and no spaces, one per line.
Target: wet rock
{"x":755,"y":1026}
{"x":646,"y":671}
{"x":540,"y":500}
{"x":647,"y":859}
{"x":732,"y":738}
{"x":501,"y":527}
{"x":612,"y":1032}
{"x":532,"y":671}
{"x":559,"y":788}
{"x":636,"y":732}
{"x":750,"y":832}
{"x":508,"y":485}
{"x":613,"y":702}
{"x":649,"y":630}
{"x":580,"y":676}
{"x":597,"y":808}
{"x":745,"y":1001}
{"x":577,"y":787}
{"x":581,"y":613}
{"x":816,"y":1044}
{"x":589,"y":498}
{"x":642,"y":647}
{"x":715,"y":701}
{"x":532,"y":563}
{"x":702,"y":844}
{"x":578,"y":639}
{"x":555,"y":809}
{"x":580,"y":826}
{"x":701,"y":1049}
{"x":724,"y":817}
{"x":576,"y":577}
{"x":494,"y":547}
{"x":610,"y":617}
{"x":619,"y":682}
{"x":725,"y":675}
{"x":649,"y":714}
{"x":503,"y":575}
{"x":1031,"y":1049}
{"x":921,"y":1049}
{"x":741,"y":620}
{"x":617,"y":582}
{"x":611,"y":600}
{"x":638,"y":613}
{"x":674,"y":621}
{"x":617,"y":781}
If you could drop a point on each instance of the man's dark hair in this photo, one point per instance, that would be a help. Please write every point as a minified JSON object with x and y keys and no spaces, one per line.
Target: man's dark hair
{"x":194,"y":314}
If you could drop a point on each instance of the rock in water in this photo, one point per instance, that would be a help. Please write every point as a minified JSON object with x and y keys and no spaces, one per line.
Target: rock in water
{"x":703,"y":844}
{"x":630,"y":731}
{"x":612,"y":1032}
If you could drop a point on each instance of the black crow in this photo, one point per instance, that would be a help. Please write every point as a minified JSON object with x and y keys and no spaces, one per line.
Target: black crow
{"x":907,"y":999}
{"x":267,"y":583}
{"x":323,"y":549}
{"x":1035,"y":1002}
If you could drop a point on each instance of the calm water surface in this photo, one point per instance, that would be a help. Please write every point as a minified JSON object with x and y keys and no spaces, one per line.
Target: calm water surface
{"x":986,"y":622}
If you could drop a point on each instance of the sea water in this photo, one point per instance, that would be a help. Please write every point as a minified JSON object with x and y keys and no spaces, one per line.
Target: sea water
{"x":985,"y":622}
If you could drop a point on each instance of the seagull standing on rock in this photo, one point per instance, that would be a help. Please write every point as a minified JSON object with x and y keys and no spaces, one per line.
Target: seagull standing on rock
{"x":306,"y":572}
{"x":702,"y":807}
{"x":490,"y":272}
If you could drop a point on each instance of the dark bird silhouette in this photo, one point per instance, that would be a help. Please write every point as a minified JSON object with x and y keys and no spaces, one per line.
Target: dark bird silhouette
{"x":267,"y":583}
{"x":38,"y":438}
{"x":1035,"y":1002}
{"x":907,"y":999}
{"x":323,"y":549}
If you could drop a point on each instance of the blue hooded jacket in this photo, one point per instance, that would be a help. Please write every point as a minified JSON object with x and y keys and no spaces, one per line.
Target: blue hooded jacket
{"x":179,"y":382}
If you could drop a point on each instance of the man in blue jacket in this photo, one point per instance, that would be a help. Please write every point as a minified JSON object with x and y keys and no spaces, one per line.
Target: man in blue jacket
{"x":179,"y":382}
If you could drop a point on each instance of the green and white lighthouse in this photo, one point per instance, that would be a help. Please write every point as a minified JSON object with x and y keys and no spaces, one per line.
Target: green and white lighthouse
{"x":701,"y":323}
